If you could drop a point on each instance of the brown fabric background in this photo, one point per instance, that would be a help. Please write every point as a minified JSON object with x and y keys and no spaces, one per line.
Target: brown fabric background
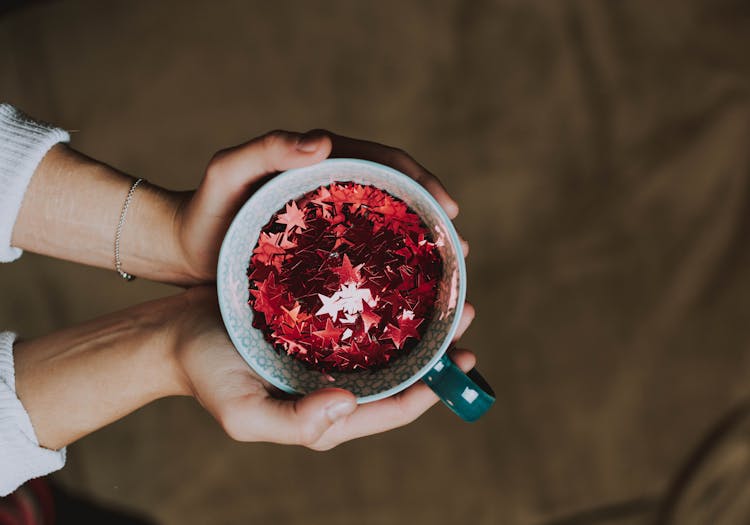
{"x":601,"y":155}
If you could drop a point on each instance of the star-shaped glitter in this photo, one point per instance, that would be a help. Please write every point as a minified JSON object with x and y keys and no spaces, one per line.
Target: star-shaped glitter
{"x":357,"y":197}
{"x":349,"y":318}
{"x":348,"y":273}
{"x":368,"y":311}
{"x":267,"y":248}
{"x":329,"y":333}
{"x":369,"y":317}
{"x":330,"y":306}
{"x":293,"y":217}
{"x":295,"y":315}
{"x":407,"y":327}
{"x":292,"y":346}
{"x":351,"y":298}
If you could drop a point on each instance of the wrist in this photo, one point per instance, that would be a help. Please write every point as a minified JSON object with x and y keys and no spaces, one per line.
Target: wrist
{"x":71,"y":210}
{"x":193,"y":330}
{"x":150,"y":244}
{"x":167,"y":323}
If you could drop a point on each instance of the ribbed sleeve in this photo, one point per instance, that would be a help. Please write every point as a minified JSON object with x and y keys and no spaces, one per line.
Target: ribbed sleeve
{"x":21,"y":457}
{"x":23,"y":144}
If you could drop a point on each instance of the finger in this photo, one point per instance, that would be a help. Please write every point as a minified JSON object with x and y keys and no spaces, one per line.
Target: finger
{"x":232,"y":171}
{"x":464,"y":247}
{"x":299,"y":422}
{"x":467,"y":316}
{"x":406,"y":164}
{"x":399,"y":160}
{"x":464,"y":359}
{"x":402,"y":161}
{"x":415,"y":400}
{"x":275,"y":151}
{"x":392,"y":412}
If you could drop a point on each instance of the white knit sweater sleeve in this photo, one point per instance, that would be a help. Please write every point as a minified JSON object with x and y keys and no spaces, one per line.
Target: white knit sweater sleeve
{"x":21,"y":457}
{"x":23,"y":144}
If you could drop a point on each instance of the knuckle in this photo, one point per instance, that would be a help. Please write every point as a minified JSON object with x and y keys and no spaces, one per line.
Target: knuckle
{"x":233,"y":425}
{"x":321,"y":446}
{"x":308,"y":435}
{"x":217,"y":163}
{"x":273,"y":139}
{"x":400,"y":159}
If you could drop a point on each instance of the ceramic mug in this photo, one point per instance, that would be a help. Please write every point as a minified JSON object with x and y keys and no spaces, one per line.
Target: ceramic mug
{"x":468,"y":395}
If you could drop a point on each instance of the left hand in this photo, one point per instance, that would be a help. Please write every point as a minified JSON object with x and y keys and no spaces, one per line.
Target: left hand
{"x":249,"y":409}
{"x":234,"y":173}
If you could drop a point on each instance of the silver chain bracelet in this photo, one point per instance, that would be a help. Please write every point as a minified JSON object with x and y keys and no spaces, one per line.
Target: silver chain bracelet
{"x":118,"y":232}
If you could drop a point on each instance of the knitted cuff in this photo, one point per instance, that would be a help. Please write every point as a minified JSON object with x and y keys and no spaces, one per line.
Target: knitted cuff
{"x":21,"y":457}
{"x":23,"y":144}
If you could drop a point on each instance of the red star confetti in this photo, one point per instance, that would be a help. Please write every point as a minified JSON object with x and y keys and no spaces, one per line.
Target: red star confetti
{"x":344,"y":278}
{"x":293,"y":217}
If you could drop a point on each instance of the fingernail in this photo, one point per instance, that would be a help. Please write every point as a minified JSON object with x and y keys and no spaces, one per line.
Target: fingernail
{"x":340,"y":409}
{"x":308,"y":143}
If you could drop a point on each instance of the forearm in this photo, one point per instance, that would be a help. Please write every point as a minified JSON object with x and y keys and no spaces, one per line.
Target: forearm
{"x":78,"y":380}
{"x":71,"y":210}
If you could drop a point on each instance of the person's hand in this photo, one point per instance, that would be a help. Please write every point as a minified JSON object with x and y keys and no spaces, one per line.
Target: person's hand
{"x":249,"y":409}
{"x":232,"y":175}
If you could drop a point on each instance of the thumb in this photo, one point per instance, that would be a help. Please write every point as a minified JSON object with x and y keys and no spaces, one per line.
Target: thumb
{"x":304,"y":420}
{"x":233,"y":170}
{"x":320,"y":410}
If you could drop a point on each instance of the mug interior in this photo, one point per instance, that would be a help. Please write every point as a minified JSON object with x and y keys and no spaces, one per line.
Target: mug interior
{"x":286,"y":372}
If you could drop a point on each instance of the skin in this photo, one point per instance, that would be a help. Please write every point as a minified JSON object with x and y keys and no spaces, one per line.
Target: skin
{"x":99,"y":371}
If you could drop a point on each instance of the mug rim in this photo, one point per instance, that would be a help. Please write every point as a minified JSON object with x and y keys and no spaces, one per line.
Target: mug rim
{"x":445,"y":220}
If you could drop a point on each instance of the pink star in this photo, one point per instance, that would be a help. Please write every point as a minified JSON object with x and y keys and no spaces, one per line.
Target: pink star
{"x":292,"y":217}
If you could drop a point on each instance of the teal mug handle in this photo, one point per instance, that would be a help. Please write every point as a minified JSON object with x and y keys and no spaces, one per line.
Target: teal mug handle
{"x":467,"y":394}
